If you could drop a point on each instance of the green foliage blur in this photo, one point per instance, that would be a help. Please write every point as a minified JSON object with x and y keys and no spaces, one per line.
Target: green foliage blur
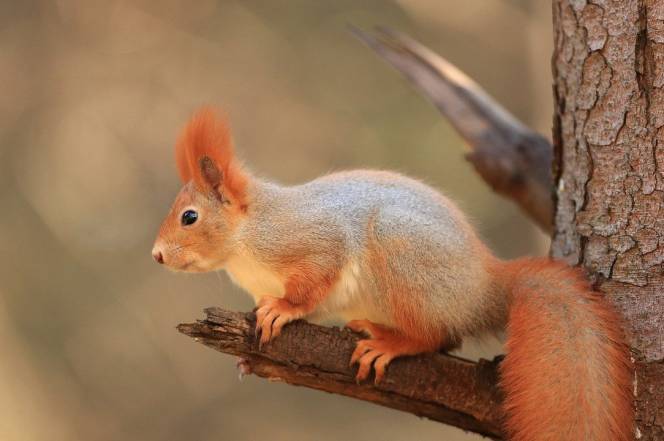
{"x":94,"y":94}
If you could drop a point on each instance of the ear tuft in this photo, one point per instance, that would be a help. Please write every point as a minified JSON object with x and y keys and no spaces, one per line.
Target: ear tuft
{"x":204,"y":153}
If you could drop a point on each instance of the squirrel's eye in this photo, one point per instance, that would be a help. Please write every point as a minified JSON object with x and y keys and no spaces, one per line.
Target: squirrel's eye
{"x":189,"y":217}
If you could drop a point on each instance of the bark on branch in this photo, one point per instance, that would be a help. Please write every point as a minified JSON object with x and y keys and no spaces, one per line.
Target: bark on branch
{"x":514,"y":160}
{"x":436,"y":386}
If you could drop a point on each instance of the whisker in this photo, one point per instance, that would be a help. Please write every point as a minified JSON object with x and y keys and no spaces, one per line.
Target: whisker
{"x":221,"y":282}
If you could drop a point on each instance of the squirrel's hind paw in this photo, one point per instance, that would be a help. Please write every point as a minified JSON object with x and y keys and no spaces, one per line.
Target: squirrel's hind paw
{"x":370,"y":353}
{"x":378,"y":351}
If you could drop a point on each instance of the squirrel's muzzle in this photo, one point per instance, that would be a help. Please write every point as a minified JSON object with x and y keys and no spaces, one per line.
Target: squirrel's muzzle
{"x":158,"y":256}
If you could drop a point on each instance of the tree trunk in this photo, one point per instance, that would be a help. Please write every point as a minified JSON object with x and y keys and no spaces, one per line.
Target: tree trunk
{"x":608,"y":135}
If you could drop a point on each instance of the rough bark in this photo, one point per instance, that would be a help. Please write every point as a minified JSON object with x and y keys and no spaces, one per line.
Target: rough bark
{"x":609,"y":149}
{"x":514,"y":160}
{"x":436,"y":386}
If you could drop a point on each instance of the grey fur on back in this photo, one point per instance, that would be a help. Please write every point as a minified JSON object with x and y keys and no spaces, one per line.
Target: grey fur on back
{"x":439,"y":260}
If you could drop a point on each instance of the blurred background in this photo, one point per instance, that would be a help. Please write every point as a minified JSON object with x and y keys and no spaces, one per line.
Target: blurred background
{"x":93,"y":96}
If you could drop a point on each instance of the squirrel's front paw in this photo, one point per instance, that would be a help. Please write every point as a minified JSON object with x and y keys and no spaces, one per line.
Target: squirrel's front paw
{"x":272,"y":314}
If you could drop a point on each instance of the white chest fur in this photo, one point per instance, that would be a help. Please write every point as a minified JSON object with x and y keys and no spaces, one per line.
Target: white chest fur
{"x":345,"y":292}
{"x":254,"y":277}
{"x":352,"y":297}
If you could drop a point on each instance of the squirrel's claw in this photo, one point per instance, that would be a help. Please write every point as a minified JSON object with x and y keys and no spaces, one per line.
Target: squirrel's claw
{"x":271,"y":316}
{"x":370,"y":353}
{"x":373,"y":351}
{"x":243,"y":368}
{"x":384,"y":345}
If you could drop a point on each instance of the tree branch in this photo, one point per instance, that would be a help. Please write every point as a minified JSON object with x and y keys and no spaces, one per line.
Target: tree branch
{"x":514,"y":160}
{"x":440,"y":387}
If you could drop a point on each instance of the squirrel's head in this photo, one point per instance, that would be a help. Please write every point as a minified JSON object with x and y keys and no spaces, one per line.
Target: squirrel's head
{"x":197,"y":233}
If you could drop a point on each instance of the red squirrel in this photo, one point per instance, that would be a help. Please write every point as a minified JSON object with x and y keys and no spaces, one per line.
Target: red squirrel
{"x":399,"y":262}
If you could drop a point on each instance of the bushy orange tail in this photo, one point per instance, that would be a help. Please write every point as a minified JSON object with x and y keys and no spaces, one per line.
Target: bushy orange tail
{"x":567,"y":372}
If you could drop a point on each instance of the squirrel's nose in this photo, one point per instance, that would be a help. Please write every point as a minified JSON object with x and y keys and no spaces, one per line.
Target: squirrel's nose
{"x":158,"y":256}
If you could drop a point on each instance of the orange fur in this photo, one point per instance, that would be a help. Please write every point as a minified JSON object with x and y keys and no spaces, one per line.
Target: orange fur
{"x":567,"y":373}
{"x":208,"y":135}
{"x":405,"y":311}
{"x":306,"y":287}
{"x":412,"y":333}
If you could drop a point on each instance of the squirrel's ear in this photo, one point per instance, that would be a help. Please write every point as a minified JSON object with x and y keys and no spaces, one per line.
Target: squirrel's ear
{"x":205,"y":154}
{"x":210,"y":172}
